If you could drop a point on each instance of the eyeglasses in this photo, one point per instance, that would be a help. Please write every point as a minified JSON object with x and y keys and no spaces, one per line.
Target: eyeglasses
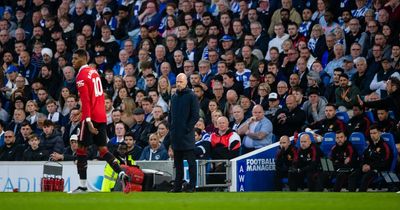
{"x":355,"y":49}
{"x":8,"y":136}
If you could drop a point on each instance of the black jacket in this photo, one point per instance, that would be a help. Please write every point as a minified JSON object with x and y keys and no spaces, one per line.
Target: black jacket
{"x":284,"y":158}
{"x":35,"y":155}
{"x":378,"y":156}
{"x":308,"y":159}
{"x":340,"y":153}
{"x":391,"y":101}
{"x":183,"y":115}
{"x":53,"y":143}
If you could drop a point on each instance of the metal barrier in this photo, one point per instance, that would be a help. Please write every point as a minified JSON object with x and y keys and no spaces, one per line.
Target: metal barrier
{"x":210,"y":173}
{"x":214,"y":173}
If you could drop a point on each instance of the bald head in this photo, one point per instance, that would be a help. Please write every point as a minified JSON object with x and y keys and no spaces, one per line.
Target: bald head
{"x":291,"y":103}
{"x":181,"y":81}
{"x":305,"y":141}
{"x":258,"y":112}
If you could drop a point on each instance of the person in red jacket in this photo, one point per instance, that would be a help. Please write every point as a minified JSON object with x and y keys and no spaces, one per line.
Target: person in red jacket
{"x":93,"y":121}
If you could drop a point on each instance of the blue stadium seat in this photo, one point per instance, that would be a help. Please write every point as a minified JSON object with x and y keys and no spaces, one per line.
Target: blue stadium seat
{"x":358,"y":141}
{"x":370,"y":116}
{"x":389,"y":139}
{"x":304,"y":133}
{"x":327,"y":143}
{"x":343,"y":116}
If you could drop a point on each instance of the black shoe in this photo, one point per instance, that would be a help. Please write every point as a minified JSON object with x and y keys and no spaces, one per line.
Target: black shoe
{"x":174,"y":190}
{"x":188,"y":188}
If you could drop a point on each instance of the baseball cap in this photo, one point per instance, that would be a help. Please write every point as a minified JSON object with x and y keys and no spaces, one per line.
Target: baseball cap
{"x":226,"y":38}
{"x":11,"y":69}
{"x":272,"y":96}
{"x":348,"y":59}
{"x":107,"y":10}
{"x":73,"y":137}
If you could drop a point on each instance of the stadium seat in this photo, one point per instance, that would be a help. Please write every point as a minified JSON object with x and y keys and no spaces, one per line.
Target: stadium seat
{"x":358,"y":141}
{"x":327,"y":143}
{"x":370,"y":116}
{"x":343,"y":116}
{"x":389,"y":139}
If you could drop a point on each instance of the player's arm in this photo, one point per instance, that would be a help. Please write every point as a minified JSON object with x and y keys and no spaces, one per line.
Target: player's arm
{"x":85,"y":100}
{"x":83,"y":89}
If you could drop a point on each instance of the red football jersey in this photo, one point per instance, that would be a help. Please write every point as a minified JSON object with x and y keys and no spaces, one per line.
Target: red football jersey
{"x":90,"y":90}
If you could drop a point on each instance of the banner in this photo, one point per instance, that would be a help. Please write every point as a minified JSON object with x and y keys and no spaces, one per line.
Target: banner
{"x":254,"y":171}
{"x":26,"y":176}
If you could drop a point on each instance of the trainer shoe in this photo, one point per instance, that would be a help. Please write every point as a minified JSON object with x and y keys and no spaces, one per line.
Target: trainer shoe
{"x":79,"y":190}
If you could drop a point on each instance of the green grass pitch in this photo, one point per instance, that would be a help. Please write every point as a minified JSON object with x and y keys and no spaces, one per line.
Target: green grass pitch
{"x":200,"y":200}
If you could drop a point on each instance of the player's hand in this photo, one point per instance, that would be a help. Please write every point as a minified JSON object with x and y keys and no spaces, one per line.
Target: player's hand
{"x":360,"y":101}
{"x":347,"y":160}
{"x":92,"y":129}
{"x":366,"y":168}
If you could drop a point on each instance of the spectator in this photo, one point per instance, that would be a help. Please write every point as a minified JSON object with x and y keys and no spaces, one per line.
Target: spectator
{"x":257,"y":131}
{"x":73,"y":126}
{"x":155,"y":150}
{"x":225,"y":143}
{"x":288,"y":120}
{"x":346,"y":94}
{"x":133,"y":151}
{"x":120,"y":130}
{"x":273,"y":104}
{"x":393,"y":89}
{"x":34,"y":152}
{"x":140,"y":127}
{"x":8,"y":152}
{"x":51,"y":139}
{"x":314,"y":107}
{"x":378,"y":83}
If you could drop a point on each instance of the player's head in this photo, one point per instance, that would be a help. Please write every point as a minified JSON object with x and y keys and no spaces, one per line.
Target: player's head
{"x":79,"y":58}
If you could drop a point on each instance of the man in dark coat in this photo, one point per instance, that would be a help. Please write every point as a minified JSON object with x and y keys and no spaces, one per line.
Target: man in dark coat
{"x":183,"y":116}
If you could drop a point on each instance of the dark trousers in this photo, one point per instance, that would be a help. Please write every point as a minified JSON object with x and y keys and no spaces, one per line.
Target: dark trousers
{"x":366,"y":179}
{"x":296,"y":180}
{"x":179,"y":156}
{"x":341,"y":179}
{"x":279,"y":175}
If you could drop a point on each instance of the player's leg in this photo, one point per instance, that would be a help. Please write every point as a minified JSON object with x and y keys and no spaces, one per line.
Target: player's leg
{"x":81,"y":157}
{"x":100,"y":140}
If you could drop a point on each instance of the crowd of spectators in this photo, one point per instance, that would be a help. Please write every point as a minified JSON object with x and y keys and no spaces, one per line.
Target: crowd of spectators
{"x":260,"y":69}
